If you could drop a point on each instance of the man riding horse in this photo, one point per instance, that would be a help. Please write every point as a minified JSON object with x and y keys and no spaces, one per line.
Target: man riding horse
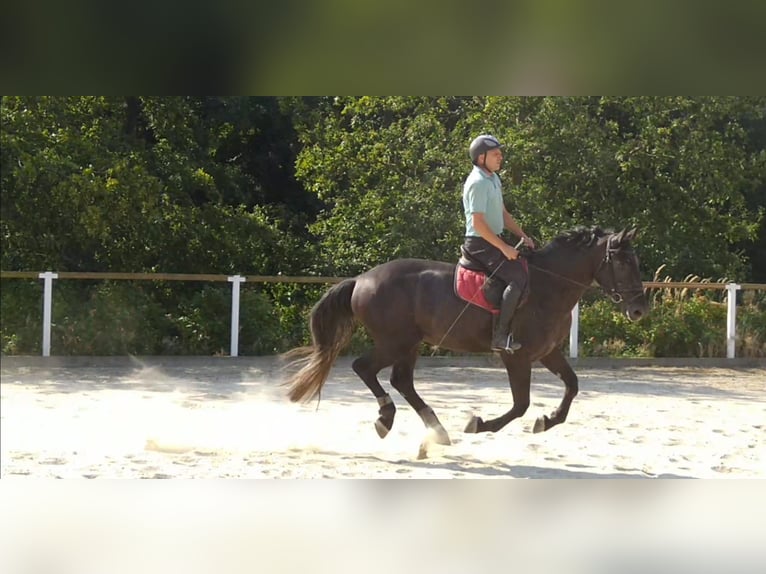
{"x":485,"y":219}
{"x":403,"y":302}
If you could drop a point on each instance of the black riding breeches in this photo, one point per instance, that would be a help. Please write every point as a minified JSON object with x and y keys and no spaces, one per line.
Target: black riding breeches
{"x":506,"y":270}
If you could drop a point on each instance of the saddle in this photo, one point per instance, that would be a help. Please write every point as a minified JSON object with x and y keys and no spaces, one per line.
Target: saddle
{"x":473,"y":284}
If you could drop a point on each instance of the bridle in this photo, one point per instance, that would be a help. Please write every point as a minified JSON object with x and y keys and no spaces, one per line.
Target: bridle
{"x":613,"y":292}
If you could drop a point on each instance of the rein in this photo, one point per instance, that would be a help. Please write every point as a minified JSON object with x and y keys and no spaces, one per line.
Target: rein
{"x":611,"y":292}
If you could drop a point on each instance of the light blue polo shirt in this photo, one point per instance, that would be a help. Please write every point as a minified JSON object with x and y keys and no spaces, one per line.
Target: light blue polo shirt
{"x":483,"y":193}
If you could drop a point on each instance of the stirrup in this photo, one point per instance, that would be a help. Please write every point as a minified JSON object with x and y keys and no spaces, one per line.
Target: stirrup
{"x":510,"y":346}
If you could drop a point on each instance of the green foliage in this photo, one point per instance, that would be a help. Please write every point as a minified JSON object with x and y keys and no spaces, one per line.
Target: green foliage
{"x":335,"y":185}
{"x":143,"y":184}
{"x":21,"y":316}
{"x":106,"y":318}
{"x":751,"y":325}
{"x":292,"y":305}
{"x":684,"y":170}
{"x":117,"y":318}
{"x":203,"y":323}
{"x":389,"y":169}
{"x":688,"y":326}
{"x":606,"y":333}
{"x":126,"y":317}
{"x":690,"y":172}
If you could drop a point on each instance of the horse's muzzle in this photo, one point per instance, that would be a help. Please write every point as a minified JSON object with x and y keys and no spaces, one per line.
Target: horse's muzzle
{"x":633,"y":303}
{"x":636,"y":310}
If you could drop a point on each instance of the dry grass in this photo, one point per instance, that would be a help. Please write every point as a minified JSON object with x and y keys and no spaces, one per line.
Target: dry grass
{"x":751,"y":338}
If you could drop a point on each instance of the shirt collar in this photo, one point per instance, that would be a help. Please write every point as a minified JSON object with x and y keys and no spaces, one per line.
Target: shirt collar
{"x":483,"y":173}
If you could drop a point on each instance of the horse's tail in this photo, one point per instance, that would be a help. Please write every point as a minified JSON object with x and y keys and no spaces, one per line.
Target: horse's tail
{"x":332,"y":324}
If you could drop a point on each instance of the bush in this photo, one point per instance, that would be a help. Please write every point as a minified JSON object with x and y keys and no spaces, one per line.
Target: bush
{"x":137,"y":318}
{"x":203,"y":323}
{"x":751,"y":325}
{"x":690,"y":326}
{"x":132,"y":317}
{"x":108,"y":318}
{"x":21,"y":317}
{"x":604,"y":332}
{"x":292,"y":305}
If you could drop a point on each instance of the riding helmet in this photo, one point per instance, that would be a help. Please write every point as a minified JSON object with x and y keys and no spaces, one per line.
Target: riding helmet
{"x":482,"y":144}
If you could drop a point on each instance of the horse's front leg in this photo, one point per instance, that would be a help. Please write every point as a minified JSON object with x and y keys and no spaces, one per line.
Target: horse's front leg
{"x":557,"y":364}
{"x":519,"y":374}
{"x":402,"y":379}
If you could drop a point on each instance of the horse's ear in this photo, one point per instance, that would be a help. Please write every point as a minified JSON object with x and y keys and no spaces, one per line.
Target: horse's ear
{"x":618,"y":237}
{"x":631,"y":235}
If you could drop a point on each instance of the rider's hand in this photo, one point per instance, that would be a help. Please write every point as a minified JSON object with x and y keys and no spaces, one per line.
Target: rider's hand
{"x":528,"y":242}
{"x":510,"y":252}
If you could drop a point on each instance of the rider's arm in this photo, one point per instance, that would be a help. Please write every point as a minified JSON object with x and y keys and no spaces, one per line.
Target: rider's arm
{"x":510,"y":224}
{"x":480,"y":224}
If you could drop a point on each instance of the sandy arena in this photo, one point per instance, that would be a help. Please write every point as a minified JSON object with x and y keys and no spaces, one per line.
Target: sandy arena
{"x":228,"y":418}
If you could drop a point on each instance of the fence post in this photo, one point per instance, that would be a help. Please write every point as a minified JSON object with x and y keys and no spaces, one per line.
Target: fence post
{"x":731,"y":320}
{"x":235,"y":280}
{"x":48,"y":278}
{"x":573,"y":331}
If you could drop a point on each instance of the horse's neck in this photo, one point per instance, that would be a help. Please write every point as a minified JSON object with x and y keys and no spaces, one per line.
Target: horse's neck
{"x":569,"y":271}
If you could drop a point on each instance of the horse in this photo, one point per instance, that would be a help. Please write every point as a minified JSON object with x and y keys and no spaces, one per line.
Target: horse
{"x":405,"y":302}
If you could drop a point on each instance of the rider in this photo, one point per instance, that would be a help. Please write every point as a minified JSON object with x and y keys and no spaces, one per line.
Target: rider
{"x":485,"y":219}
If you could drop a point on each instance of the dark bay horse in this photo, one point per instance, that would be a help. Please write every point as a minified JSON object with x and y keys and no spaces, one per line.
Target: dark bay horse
{"x":407,"y":301}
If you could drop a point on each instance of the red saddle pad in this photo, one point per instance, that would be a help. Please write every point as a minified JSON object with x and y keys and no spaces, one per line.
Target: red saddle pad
{"x":468,"y":286}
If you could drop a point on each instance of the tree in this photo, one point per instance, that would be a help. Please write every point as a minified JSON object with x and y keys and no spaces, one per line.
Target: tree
{"x":142,"y":183}
{"x":689,"y":172}
{"x":682,"y":169}
{"x":386,"y":168}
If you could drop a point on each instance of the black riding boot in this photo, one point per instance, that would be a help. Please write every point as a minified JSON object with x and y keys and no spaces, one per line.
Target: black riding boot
{"x":502,"y":338}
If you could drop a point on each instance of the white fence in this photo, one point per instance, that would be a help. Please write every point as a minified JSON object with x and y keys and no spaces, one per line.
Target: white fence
{"x":731,"y":312}
{"x":236,"y":281}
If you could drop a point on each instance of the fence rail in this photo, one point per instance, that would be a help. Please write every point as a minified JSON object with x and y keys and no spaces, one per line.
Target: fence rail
{"x":168,"y":277}
{"x":697,"y":285}
{"x":237,"y":280}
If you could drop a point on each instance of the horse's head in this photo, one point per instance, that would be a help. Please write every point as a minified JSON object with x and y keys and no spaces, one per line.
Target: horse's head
{"x":619,"y":274}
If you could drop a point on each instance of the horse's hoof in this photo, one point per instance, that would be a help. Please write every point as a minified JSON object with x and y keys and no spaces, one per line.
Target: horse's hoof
{"x":381,"y":428}
{"x":539,"y":425}
{"x":473,"y":425}
{"x":440,"y":436}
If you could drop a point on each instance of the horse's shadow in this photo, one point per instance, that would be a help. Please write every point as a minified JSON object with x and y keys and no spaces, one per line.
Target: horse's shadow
{"x":478,"y":468}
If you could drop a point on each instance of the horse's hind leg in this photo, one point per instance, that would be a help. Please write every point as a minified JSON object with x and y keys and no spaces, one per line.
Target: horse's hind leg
{"x":367,"y":367}
{"x":402,"y":379}
{"x":559,"y":366}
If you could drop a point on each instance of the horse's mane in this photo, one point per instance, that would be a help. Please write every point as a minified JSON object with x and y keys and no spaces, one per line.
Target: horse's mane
{"x":579,"y":236}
